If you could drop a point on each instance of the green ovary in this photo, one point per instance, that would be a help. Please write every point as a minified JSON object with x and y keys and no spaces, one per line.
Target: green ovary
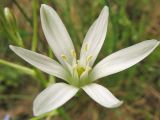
{"x":80,"y":70}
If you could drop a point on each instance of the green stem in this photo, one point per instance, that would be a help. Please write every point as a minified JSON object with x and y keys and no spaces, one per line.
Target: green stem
{"x":18,"y":67}
{"x":35,"y":24}
{"x":41,"y":78}
{"x":114,"y":23}
{"x":23,"y":12}
{"x":51,"y":78}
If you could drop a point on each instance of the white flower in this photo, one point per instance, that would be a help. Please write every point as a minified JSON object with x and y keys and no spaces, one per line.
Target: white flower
{"x":79,"y":73}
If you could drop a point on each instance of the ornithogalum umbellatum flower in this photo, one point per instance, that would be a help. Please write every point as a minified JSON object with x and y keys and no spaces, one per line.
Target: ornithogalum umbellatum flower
{"x":79,"y":73}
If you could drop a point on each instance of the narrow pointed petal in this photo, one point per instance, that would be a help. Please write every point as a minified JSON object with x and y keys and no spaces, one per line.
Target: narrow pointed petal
{"x":95,"y":37}
{"x":53,"y":97}
{"x":123,"y":59}
{"x":42,"y":62}
{"x":56,"y":33}
{"x":102,"y":95}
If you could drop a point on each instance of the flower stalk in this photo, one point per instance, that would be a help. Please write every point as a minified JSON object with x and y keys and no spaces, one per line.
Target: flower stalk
{"x":21,"y":68}
{"x":9,"y":25}
{"x":35,"y":24}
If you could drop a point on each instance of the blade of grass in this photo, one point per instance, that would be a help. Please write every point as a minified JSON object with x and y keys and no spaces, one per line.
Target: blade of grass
{"x":14,"y":96}
{"x":23,"y":12}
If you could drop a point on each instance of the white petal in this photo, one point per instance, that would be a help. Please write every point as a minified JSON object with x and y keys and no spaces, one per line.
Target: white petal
{"x":42,"y":62}
{"x":56,"y":33}
{"x":102,"y":95}
{"x":53,"y":97}
{"x":95,"y":37}
{"x":123,"y":59}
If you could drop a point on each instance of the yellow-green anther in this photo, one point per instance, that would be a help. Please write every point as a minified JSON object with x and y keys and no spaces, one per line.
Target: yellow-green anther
{"x":89,"y":58}
{"x":64,"y":57}
{"x":73,"y":53}
{"x":86,"y":47}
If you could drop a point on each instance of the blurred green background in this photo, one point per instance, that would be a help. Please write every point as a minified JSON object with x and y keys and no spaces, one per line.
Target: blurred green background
{"x":130,"y":22}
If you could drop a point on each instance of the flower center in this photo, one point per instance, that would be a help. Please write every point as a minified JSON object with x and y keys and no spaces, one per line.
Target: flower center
{"x":79,"y":70}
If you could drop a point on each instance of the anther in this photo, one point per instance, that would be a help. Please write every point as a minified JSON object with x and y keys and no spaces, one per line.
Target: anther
{"x":64,"y":57}
{"x":89,"y":58}
{"x":73,"y":53}
{"x":86,"y":47}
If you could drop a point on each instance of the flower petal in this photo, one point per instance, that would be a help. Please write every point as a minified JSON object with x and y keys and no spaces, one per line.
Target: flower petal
{"x":102,"y":95}
{"x":42,"y":62}
{"x":123,"y":59}
{"x":56,"y":33}
{"x":95,"y":37}
{"x":53,"y":97}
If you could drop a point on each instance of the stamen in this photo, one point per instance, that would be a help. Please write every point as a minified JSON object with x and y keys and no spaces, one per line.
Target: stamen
{"x":73,"y":53}
{"x":86,"y":47}
{"x":75,"y":66}
{"x":89,"y":58}
{"x":88,"y":68}
{"x":64,"y":57}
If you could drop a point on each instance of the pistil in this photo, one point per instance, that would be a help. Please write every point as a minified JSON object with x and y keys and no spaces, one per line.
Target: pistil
{"x":78,"y":71}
